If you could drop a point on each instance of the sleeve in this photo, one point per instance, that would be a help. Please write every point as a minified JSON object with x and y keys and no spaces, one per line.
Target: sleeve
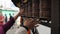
{"x":8,"y":24}
{"x":21,"y":31}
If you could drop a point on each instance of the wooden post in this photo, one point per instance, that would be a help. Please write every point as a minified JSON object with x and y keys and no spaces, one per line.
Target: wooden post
{"x":55,"y":16}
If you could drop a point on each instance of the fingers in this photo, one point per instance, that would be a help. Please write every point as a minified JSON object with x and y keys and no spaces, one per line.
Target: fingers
{"x":21,"y":11}
{"x":28,"y":21}
{"x":31,"y":22}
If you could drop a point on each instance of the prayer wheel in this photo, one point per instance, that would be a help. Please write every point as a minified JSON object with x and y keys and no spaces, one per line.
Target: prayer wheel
{"x":36,"y":8}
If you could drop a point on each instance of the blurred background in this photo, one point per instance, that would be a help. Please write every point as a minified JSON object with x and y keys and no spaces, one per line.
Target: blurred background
{"x":7,"y":9}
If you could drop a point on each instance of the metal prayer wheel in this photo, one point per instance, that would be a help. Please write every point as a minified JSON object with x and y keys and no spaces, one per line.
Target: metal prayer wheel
{"x":36,"y":9}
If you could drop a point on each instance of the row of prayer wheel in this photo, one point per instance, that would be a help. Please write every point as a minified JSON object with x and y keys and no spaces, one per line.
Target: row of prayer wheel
{"x":36,"y":8}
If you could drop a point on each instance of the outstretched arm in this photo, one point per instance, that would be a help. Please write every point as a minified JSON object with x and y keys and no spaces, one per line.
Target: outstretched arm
{"x":12,"y":21}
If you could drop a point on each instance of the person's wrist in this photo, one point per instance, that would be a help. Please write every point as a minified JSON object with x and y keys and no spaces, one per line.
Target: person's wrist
{"x":20,"y":14}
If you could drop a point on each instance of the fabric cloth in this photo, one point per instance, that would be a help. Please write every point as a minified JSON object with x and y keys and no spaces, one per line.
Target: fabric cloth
{"x":22,"y":30}
{"x":28,"y":32}
{"x":4,"y":28}
{"x":35,"y":31}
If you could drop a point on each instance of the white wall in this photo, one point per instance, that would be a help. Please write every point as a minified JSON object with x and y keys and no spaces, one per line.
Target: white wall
{"x":44,"y":30}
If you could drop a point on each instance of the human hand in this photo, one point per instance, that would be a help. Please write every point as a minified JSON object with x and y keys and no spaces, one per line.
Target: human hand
{"x":21,"y":11}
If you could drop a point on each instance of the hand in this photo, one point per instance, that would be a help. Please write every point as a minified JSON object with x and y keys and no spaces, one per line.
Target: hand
{"x":21,"y":11}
